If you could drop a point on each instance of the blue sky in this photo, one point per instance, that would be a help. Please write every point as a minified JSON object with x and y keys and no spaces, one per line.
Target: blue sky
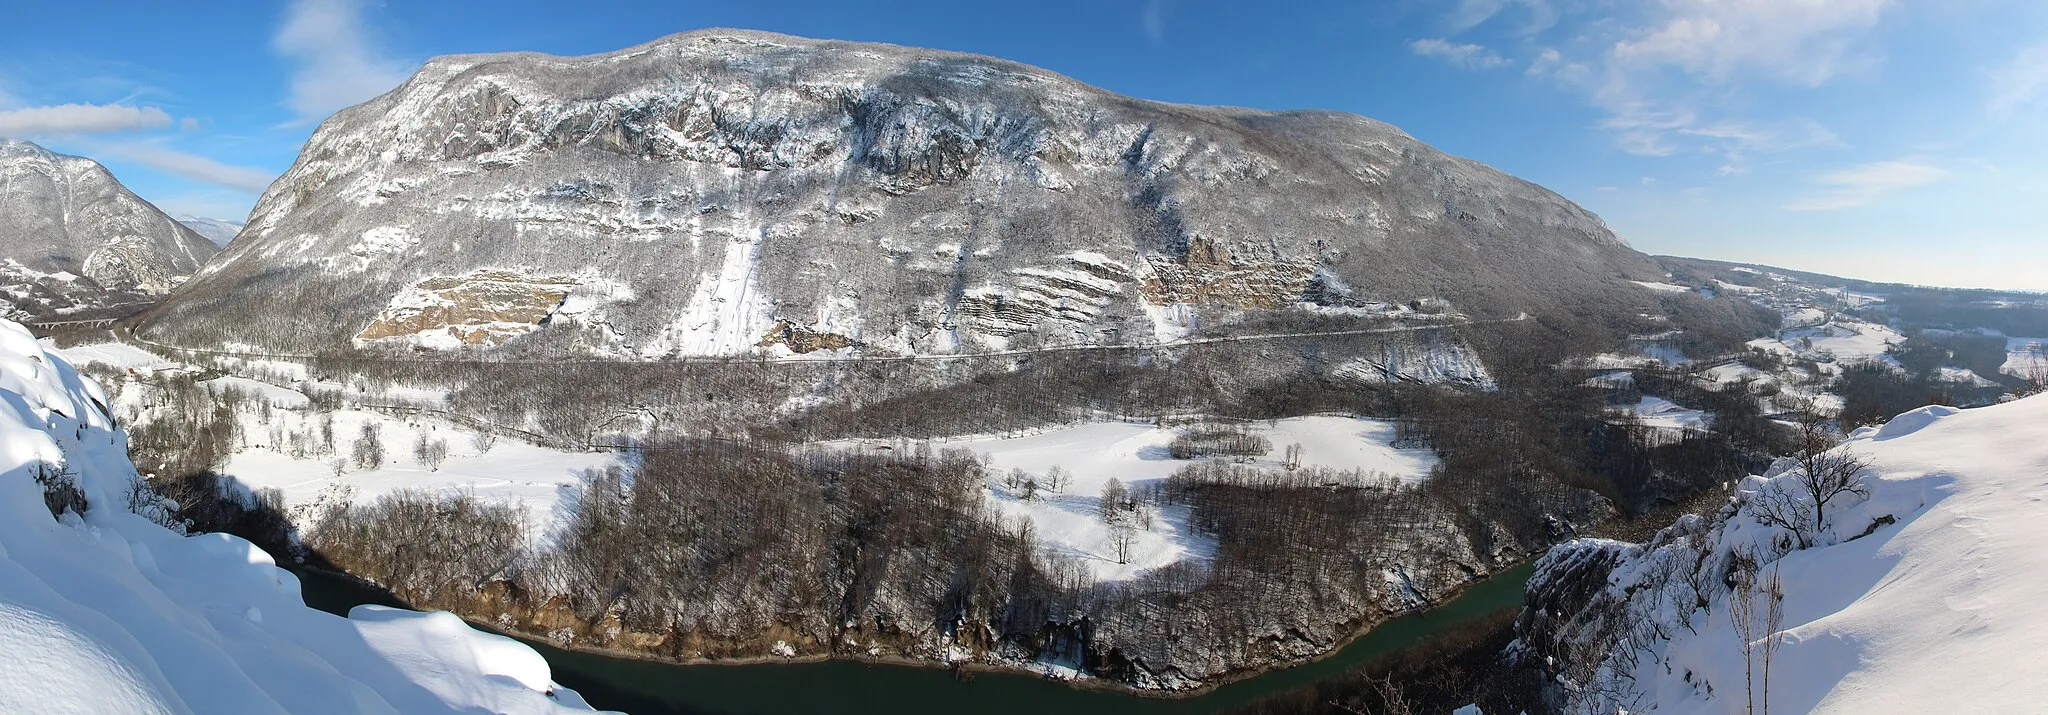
{"x":1886,"y":139}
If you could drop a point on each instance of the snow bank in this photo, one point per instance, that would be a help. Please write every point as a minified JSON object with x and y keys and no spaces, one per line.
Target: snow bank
{"x":1923,"y":597}
{"x":108,"y":612}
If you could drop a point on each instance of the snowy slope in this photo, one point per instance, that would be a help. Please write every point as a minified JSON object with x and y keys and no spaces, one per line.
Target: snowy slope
{"x":1938,"y":611}
{"x":110,"y":613}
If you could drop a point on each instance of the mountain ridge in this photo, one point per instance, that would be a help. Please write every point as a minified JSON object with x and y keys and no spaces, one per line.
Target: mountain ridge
{"x":703,"y":193}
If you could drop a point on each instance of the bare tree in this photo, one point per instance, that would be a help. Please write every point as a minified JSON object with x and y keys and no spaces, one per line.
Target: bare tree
{"x":1293,"y":459}
{"x":368,"y":450}
{"x":1774,"y":620}
{"x":2034,"y":372}
{"x":1058,"y":478}
{"x":1121,"y":537}
{"x":1742,"y":615}
{"x":430,"y":452}
{"x":1115,"y":501}
{"x":483,"y":442}
{"x":1823,"y":472}
{"x":1761,"y":630}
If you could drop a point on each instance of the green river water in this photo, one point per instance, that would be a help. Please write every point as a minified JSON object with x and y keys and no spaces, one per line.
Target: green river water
{"x":842,"y":686}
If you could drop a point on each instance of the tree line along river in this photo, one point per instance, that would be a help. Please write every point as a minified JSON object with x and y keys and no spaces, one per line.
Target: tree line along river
{"x":645,"y":687}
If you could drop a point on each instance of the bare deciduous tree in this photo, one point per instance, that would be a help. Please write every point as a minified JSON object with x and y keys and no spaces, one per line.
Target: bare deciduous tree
{"x":368,"y":450}
{"x":1114,"y":502}
{"x":1823,"y":472}
{"x":483,"y":442}
{"x":1759,"y":626}
{"x":1121,"y":537}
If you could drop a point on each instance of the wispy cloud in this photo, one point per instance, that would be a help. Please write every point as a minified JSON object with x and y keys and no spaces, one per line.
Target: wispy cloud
{"x":190,"y":166}
{"x":337,"y":64}
{"x":1466,"y":55}
{"x":1671,"y":77}
{"x":2019,"y":81}
{"x":1804,"y":42}
{"x":63,"y":119}
{"x":1538,"y":15}
{"x":1152,"y":20}
{"x":1859,"y":185}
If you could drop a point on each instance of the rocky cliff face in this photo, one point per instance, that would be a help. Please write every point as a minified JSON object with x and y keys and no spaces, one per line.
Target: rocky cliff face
{"x":729,"y":192}
{"x":72,"y":237}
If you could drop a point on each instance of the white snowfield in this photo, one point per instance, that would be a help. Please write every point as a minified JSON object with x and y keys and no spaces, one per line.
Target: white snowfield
{"x":1845,"y":339}
{"x":2025,"y":357}
{"x":110,"y":613}
{"x":1941,"y":612}
{"x":536,"y":479}
{"x":1136,"y":454}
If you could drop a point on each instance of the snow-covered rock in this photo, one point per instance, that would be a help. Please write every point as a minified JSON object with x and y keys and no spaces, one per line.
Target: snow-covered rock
{"x":1923,"y":596}
{"x":729,"y":187}
{"x":108,"y":612}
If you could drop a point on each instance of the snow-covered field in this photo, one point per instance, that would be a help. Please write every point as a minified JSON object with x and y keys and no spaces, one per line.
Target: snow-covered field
{"x":1938,"y":612}
{"x":535,"y":478}
{"x":1659,"y":412}
{"x":107,"y":612}
{"x":1136,"y":454}
{"x":514,"y":472}
{"x":2025,"y":357}
{"x":1845,"y":339}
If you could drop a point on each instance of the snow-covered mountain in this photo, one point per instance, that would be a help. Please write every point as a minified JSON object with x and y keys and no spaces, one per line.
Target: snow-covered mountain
{"x":102,"y":610}
{"x":71,"y":235}
{"x":218,"y":230}
{"x":726,"y":192}
{"x":1921,"y":596}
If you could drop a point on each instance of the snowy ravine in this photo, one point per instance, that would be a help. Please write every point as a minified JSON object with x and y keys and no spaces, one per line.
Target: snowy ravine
{"x":1923,"y":597}
{"x":107,"y":612}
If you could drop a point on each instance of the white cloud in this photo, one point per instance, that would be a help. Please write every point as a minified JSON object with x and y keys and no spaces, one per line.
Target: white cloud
{"x":191,"y":166}
{"x":80,"y":119}
{"x":2020,"y":81}
{"x":1804,"y":42}
{"x":1859,"y":185}
{"x":1468,"y":56}
{"x":337,"y":64}
{"x":1666,"y":74}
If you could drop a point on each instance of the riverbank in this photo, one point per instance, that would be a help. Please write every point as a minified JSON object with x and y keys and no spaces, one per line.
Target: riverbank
{"x":848,"y":685}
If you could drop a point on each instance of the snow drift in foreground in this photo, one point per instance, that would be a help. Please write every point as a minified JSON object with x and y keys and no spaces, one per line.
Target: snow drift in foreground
{"x":1924,"y":597}
{"x":110,"y":613}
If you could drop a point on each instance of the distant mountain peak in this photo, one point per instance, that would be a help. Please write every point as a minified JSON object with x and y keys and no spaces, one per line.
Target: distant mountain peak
{"x":218,"y":230}
{"x":62,"y":214}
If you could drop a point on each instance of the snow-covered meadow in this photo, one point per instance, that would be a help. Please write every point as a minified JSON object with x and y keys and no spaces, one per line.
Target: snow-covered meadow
{"x":1137,"y":455}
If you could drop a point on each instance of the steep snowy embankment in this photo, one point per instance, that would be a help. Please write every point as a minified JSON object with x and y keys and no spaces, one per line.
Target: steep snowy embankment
{"x":1924,"y":597}
{"x":107,"y":612}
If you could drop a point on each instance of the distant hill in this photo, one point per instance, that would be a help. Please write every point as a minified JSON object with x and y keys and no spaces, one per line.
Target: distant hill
{"x":219,"y":231}
{"x":73,"y":238}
